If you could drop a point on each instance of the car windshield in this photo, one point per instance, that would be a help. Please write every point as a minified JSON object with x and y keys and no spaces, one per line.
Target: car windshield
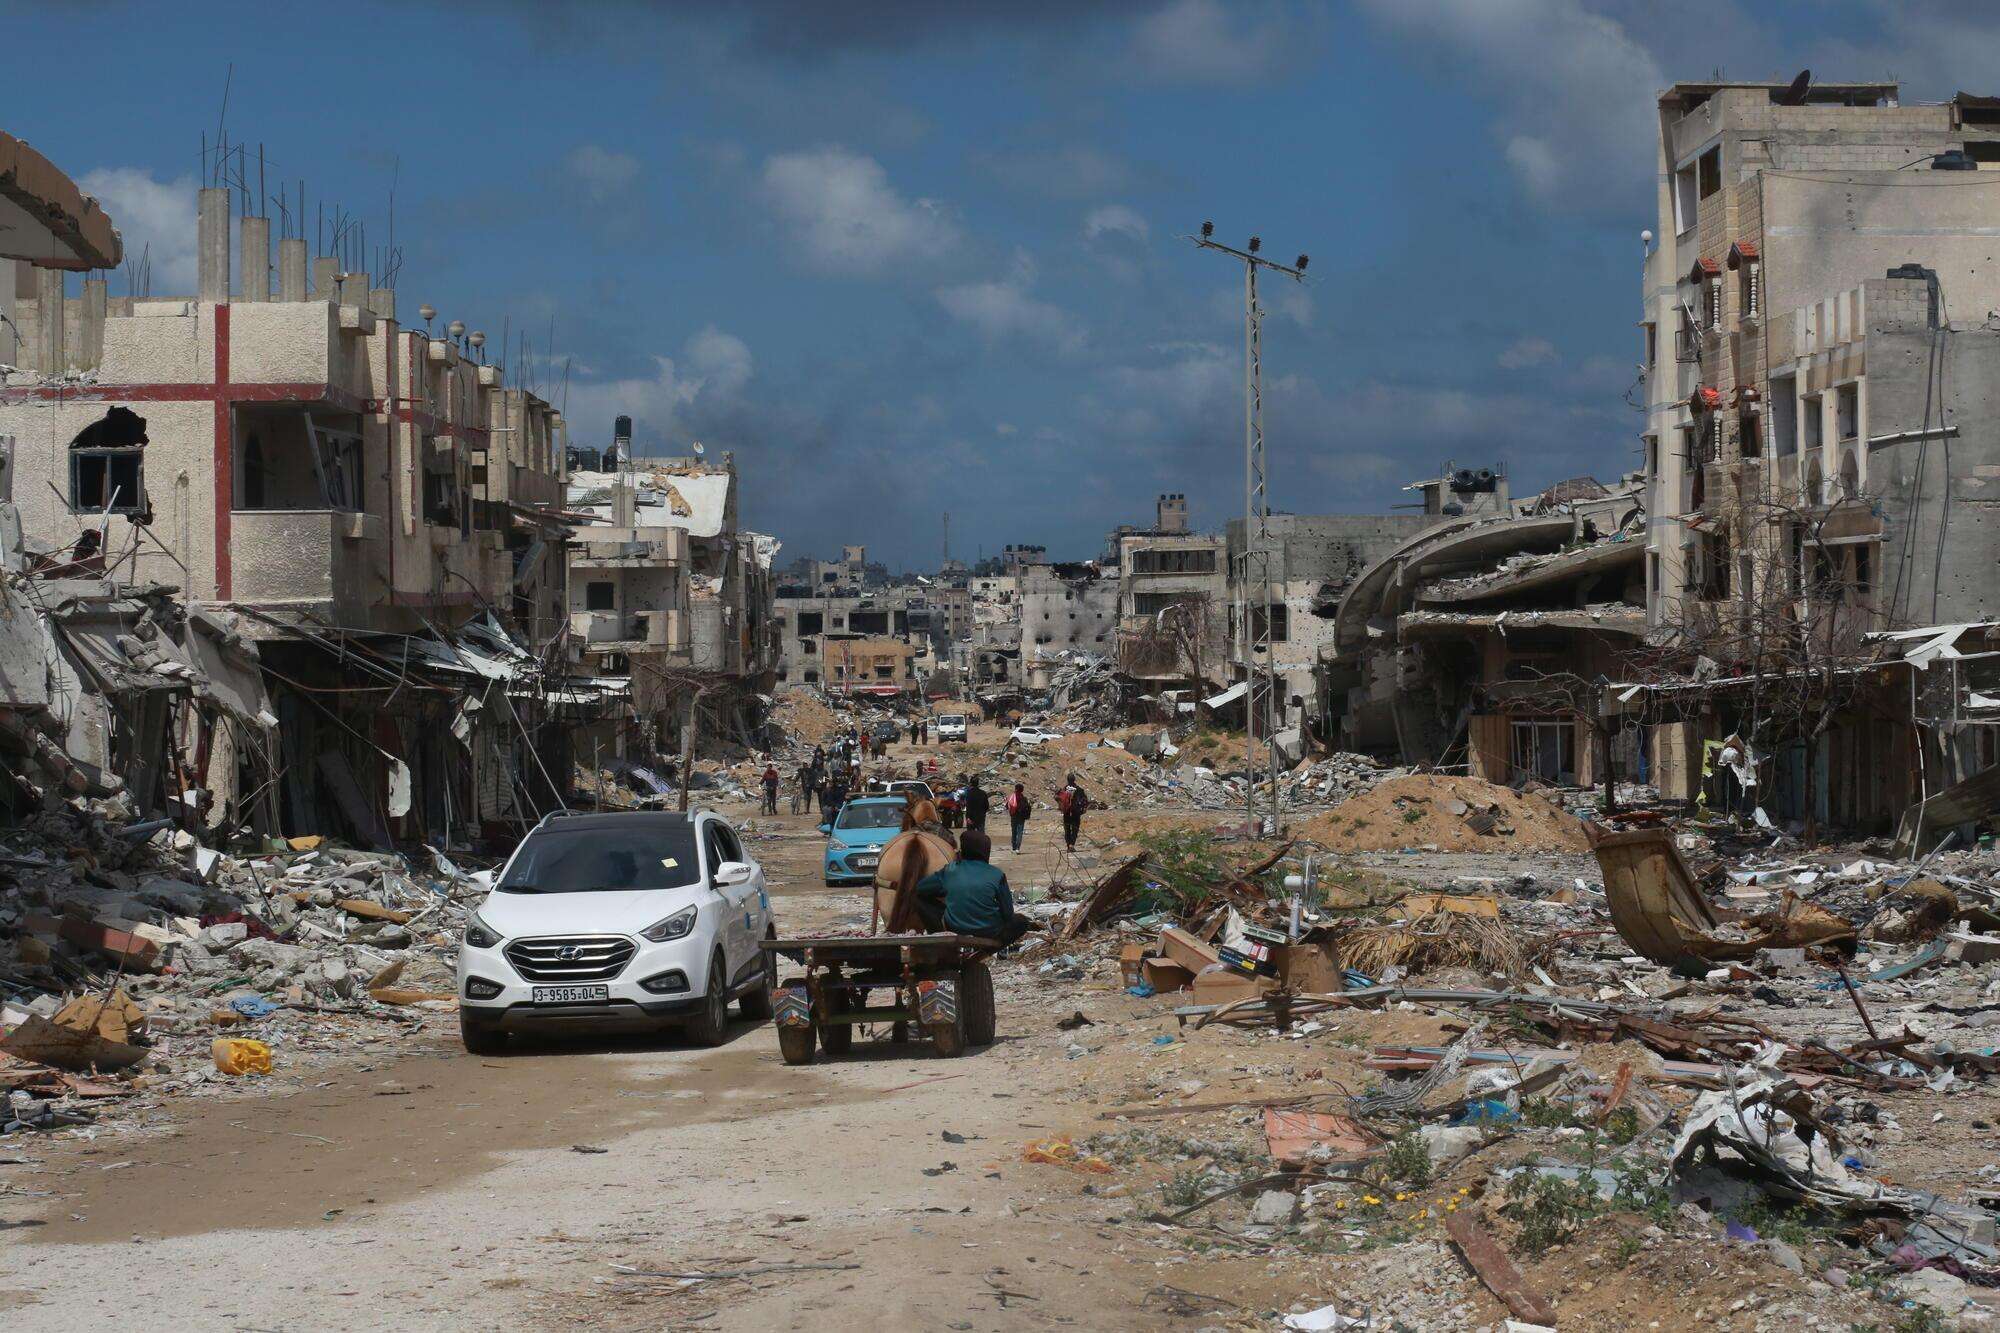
{"x":888,"y":814}
{"x":605,"y":859}
{"x":952,"y":720}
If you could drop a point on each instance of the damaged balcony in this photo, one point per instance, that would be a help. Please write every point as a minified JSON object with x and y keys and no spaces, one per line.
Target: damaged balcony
{"x":300,"y":535}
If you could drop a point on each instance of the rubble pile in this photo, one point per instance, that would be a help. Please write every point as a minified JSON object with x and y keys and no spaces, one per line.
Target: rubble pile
{"x":1783,"y":1064}
{"x":184,"y":946}
{"x":1445,"y":813}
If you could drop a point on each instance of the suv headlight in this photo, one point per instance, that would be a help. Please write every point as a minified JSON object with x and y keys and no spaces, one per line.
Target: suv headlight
{"x":675,"y":926}
{"x":480,"y":935}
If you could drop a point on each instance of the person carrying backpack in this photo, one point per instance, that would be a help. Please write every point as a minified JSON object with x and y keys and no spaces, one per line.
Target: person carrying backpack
{"x":1072,"y":801}
{"x":1019,"y":807}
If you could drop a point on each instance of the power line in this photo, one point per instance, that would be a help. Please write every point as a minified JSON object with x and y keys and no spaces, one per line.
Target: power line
{"x":1255,"y":632}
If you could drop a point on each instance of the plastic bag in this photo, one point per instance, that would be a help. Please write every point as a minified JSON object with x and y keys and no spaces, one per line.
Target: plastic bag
{"x":1061,"y":1152}
{"x":241,"y":1055}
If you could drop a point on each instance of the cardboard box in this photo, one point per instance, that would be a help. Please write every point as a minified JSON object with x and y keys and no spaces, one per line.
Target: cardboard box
{"x":1131,"y":962}
{"x":1311,"y":969}
{"x":1223,"y":987}
{"x":1164,"y":975}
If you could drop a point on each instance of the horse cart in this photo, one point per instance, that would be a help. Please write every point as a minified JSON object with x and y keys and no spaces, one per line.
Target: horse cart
{"x":938,"y":984}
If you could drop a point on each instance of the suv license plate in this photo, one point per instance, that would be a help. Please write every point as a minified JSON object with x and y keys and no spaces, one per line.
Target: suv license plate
{"x":570,"y":994}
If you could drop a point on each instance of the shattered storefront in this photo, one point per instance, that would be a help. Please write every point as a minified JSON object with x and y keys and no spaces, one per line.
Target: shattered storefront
{"x":457,"y":740}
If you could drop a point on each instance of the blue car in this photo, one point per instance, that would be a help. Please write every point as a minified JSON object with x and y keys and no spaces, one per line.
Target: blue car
{"x":856,"y":837}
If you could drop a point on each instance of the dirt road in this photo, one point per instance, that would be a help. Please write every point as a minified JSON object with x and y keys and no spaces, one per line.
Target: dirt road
{"x":439,"y":1189}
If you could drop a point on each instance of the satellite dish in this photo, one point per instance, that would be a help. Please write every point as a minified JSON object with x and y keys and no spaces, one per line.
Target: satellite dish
{"x":700,"y":449}
{"x":1795,"y":95}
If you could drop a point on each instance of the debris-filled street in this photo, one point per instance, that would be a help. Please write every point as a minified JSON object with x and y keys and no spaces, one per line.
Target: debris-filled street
{"x":1474,"y":1083}
{"x":637,"y":692}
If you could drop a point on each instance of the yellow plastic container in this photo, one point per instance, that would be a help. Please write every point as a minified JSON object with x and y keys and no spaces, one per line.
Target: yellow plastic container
{"x":241,"y":1055}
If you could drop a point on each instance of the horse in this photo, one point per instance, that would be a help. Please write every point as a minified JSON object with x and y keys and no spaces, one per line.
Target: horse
{"x":922,"y":848}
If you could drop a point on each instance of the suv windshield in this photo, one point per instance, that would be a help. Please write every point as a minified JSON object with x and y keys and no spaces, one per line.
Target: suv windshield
{"x":889,"y":814}
{"x":605,"y":859}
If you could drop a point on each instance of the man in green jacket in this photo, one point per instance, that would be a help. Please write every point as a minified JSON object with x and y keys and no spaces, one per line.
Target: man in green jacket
{"x":970,"y":896}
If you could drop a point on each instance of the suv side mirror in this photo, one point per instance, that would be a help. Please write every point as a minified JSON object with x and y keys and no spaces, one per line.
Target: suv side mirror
{"x":733,"y":872}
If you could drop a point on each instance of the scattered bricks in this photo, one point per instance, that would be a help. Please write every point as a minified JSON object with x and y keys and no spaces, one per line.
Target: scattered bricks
{"x":120,"y":946}
{"x":223,"y":935}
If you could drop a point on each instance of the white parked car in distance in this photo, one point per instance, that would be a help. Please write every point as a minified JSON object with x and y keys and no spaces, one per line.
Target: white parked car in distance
{"x":950,"y":727}
{"x":1034,"y":735}
{"x":616,"y":922}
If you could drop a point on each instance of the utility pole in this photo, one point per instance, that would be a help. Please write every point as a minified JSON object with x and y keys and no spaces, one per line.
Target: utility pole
{"x":1254,"y":632}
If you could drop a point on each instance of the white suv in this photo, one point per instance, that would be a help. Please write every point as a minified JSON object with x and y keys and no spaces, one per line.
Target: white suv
{"x":615,"y":922}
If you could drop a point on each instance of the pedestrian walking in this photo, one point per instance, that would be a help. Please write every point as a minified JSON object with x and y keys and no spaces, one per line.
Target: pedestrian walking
{"x":1019,"y":807}
{"x":976,"y":803}
{"x":831,"y":797}
{"x":1072,"y":801}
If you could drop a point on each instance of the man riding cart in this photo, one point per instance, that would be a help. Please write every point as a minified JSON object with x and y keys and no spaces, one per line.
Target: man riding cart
{"x":942,"y":917}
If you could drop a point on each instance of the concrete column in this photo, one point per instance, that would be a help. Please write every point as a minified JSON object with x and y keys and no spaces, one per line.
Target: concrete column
{"x":382,"y":300}
{"x":292,"y":269}
{"x":10,"y":339}
{"x":49,"y":321}
{"x":255,"y":281}
{"x":325,"y":273}
{"x":354,"y":289}
{"x":96,"y":304}
{"x":212,"y":243}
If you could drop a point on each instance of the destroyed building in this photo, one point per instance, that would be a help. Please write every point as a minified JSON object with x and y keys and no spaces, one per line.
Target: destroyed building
{"x":1480,"y":640}
{"x":806,"y":618}
{"x":1173,"y":600}
{"x":673,"y":594}
{"x":361,"y":492}
{"x":1066,"y":610}
{"x":1819,"y":380}
{"x":1312,"y":561}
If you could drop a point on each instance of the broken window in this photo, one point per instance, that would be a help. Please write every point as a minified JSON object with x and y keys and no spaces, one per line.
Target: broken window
{"x":600,"y":595}
{"x":1280,"y":622}
{"x":1784,"y":415}
{"x":1847,"y":410}
{"x":1545,"y":748}
{"x":1812,"y":422}
{"x":1750,"y":437}
{"x":1710,"y":171}
{"x":1685,"y":199}
{"x":107,"y":462}
{"x":811,"y":622}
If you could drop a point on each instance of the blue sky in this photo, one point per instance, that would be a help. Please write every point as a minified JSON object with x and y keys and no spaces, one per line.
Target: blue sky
{"x":906,"y":258}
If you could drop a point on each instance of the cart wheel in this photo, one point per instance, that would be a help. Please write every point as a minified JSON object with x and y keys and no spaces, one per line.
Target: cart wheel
{"x":899,"y":1031}
{"x":976,"y":1002}
{"x":949,"y":1038}
{"x":838,"y":1038}
{"x":795,"y":1044}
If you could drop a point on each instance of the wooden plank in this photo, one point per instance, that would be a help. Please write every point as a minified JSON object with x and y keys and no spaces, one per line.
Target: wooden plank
{"x":1184,"y":950}
{"x":1485,"y":1257}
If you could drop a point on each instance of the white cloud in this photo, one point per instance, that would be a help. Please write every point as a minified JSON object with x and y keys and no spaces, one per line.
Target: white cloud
{"x":1574,"y":89}
{"x":713,"y":369}
{"x":1115,"y":220}
{"x":601,"y":173}
{"x":1526,"y":353}
{"x":155,"y":218}
{"x":1004,"y":311}
{"x":846,"y":217}
{"x":1202,"y":41}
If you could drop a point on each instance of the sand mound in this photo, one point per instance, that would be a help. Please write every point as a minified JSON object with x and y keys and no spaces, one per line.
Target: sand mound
{"x":1424,"y":808}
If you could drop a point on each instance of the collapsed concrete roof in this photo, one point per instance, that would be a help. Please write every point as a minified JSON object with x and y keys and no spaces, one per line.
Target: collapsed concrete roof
{"x":48,"y":221}
{"x":1528,"y":573}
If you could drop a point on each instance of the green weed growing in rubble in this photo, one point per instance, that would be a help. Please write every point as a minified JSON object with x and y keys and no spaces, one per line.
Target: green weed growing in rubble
{"x":1622,"y":1125}
{"x":1186,"y":1187}
{"x":1408,"y":1160}
{"x":1541,"y":1113}
{"x":1643,"y":1189}
{"x":1549,"y":1208}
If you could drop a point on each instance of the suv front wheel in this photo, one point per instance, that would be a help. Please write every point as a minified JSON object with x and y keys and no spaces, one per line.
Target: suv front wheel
{"x":711,"y":1023}
{"x":481,"y":1035}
